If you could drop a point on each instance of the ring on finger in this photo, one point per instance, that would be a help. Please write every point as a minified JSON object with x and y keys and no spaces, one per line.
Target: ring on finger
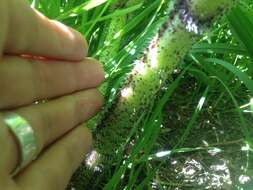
{"x":25,"y":137}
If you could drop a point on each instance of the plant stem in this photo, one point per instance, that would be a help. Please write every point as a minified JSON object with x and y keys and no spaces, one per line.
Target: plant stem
{"x":164,"y":53}
{"x":151,"y":72}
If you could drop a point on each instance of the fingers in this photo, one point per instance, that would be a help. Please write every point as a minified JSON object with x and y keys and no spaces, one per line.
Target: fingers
{"x":3,"y":21}
{"x":29,"y":32}
{"x":55,"y":166}
{"x":8,"y":146}
{"x":24,"y":81}
{"x":53,"y":119}
{"x":7,"y":183}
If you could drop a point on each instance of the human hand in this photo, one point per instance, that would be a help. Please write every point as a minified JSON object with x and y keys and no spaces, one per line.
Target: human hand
{"x":42,"y":59}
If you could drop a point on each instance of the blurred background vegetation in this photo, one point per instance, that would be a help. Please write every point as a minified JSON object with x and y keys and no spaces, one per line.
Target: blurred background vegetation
{"x":199,"y":128}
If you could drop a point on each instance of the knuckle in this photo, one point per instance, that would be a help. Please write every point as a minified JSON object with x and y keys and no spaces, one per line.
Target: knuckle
{"x":100,"y":73}
{"x":79,"y":143}
{"x":100,"y":97}
{"x":86,"y":133}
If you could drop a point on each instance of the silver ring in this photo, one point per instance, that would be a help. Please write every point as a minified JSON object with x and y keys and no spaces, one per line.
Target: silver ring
{"x":25,"y":137}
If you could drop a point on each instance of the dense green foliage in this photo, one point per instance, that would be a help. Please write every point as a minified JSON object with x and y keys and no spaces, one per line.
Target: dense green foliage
{"x":200,"y":113}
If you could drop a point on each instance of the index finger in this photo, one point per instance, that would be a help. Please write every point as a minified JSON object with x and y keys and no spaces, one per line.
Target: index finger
{"x":29,"y":32}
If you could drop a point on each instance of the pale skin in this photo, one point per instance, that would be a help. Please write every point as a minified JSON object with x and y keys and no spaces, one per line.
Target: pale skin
{"x":67,"y":79}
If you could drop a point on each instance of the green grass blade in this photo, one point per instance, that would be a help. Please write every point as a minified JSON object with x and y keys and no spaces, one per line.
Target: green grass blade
{"x":80,"y":9}
{"x":218,"y":48}
{"x":193,"y":118}
{"x":251,"y":105}
{"x":241,"y":22}
{"x":241,"y":75}
{"x":244,"y":128}
{"x":116,"y":14}
{"x":133,"y":23}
